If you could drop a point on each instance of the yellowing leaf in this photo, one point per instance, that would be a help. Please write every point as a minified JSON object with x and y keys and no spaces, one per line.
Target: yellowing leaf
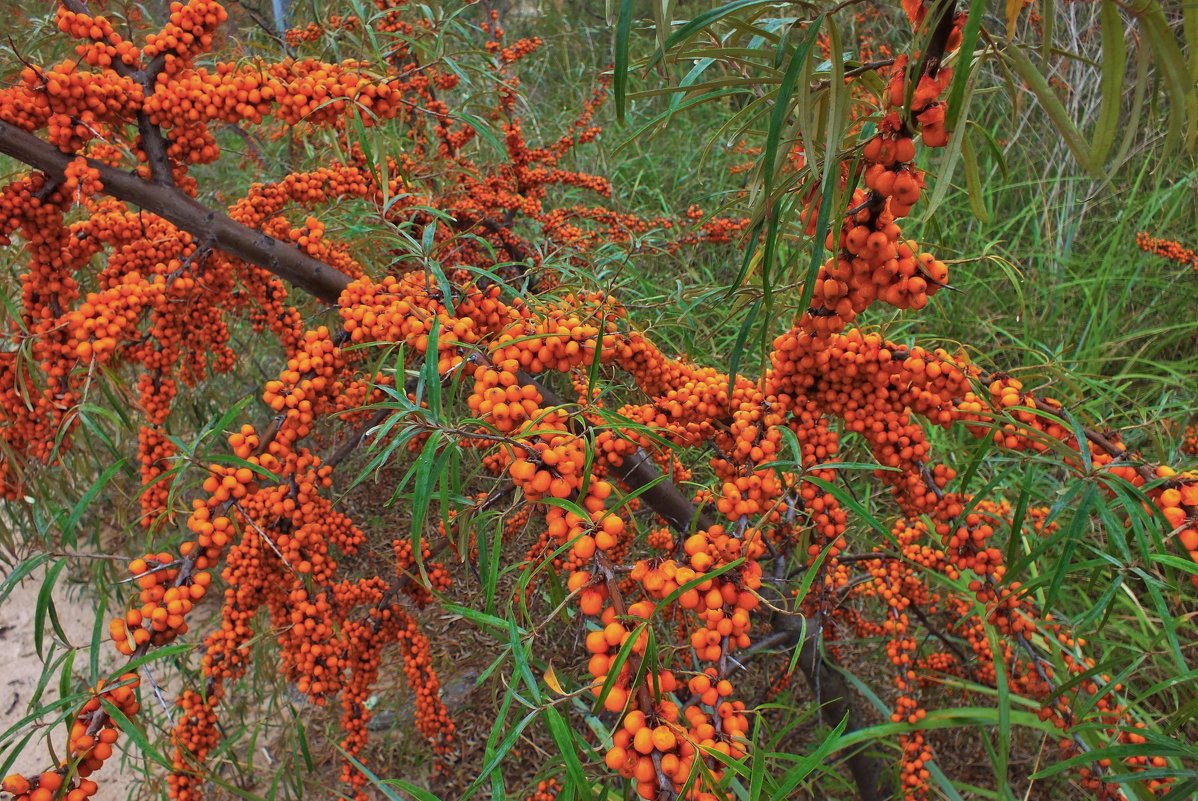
{"x":1013,"y":9}
{"x":551,"y":680}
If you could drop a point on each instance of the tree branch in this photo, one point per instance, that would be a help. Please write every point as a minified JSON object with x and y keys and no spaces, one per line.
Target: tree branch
{"x":327,"y":283}
{"x":152,"y":141}
{"x":184,"y":212}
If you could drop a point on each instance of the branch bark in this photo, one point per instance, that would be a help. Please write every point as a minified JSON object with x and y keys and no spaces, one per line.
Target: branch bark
{"x":638,"y":471}
{"x":946,"y":13}
{"x":184,"y":212}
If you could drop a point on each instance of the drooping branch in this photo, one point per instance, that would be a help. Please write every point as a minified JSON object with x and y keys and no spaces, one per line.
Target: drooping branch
{"x":327,"y":283}
{"x":294,"y":266}
{"x":827,"y":683}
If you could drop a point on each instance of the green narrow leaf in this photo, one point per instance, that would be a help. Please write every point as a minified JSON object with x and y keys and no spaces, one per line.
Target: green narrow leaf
{"x":1015,"y":539}
{"x":16,"y":751}
{"x":1138,"y":97}
{"x":1114,"y":65}
{"x":1048,"y":19}
{"x":769,"y":160}
{"x":791,"y":779}
{"x":1018,"y":60}
{"x":620,"y":76}
{"x":45,"y":604}
{"x":821,"y":233}
{"x":301,"y":734}
{"x":496,"y":559}
{"x":1160,"y":39}
{"x":160,"y":654}
{"x":757,"y":771}
{"x":706,"y":20}
{"x":1189,"y":28}
{"x":1003,"y":757}
{"x":65,"y":704}
{"x":476,"y":617}
{"x":431,"y":374}
{"x":483,"y":538}
{"x":738,"y":348}
{"x":962,"y":72}
{"x":135,"y":733}
{"x":1083,"y":443}
{"x":1081,"y":518}
{"x":617,"y":665}
{"x":499,"y":754}
{"x":564,"y":737}
{"x":23,"y":569}
{"x":384,"y":785}
{"x":70,"y":534}
{"x":98,"y":628}
{"x":1168,"y":618}
{"x":973,"y":180}
{"x":66,"y":672}
{"x":422,"y":491}
{"x":593,"y":368}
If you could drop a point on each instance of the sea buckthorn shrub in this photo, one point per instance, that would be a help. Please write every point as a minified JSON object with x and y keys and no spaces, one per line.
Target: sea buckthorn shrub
{"x":685,"y":516}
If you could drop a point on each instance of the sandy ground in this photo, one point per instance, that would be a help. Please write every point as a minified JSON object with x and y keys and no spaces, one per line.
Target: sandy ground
{"x":21,"y":670}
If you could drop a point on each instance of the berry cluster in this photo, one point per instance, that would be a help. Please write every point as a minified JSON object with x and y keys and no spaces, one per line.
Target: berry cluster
{"x":268,"y":533}
{"x":873,"y":261}
{"x":1169,"y":249}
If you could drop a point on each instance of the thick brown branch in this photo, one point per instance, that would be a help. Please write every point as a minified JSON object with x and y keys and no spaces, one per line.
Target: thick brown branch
{"x":1104,"y":443}
{"x":152,"y":141}
{"x":664,"y":497}
{"x":506,"y":240}
{"x":185,"y":213}
{"x":356,"y":438}
{"x":834,"y":697}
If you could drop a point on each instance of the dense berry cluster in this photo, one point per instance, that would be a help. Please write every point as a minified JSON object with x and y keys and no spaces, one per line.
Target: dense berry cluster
{"x":873,"y":261}
{"x":1169,"y":249}
{"x":269,"y":538}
